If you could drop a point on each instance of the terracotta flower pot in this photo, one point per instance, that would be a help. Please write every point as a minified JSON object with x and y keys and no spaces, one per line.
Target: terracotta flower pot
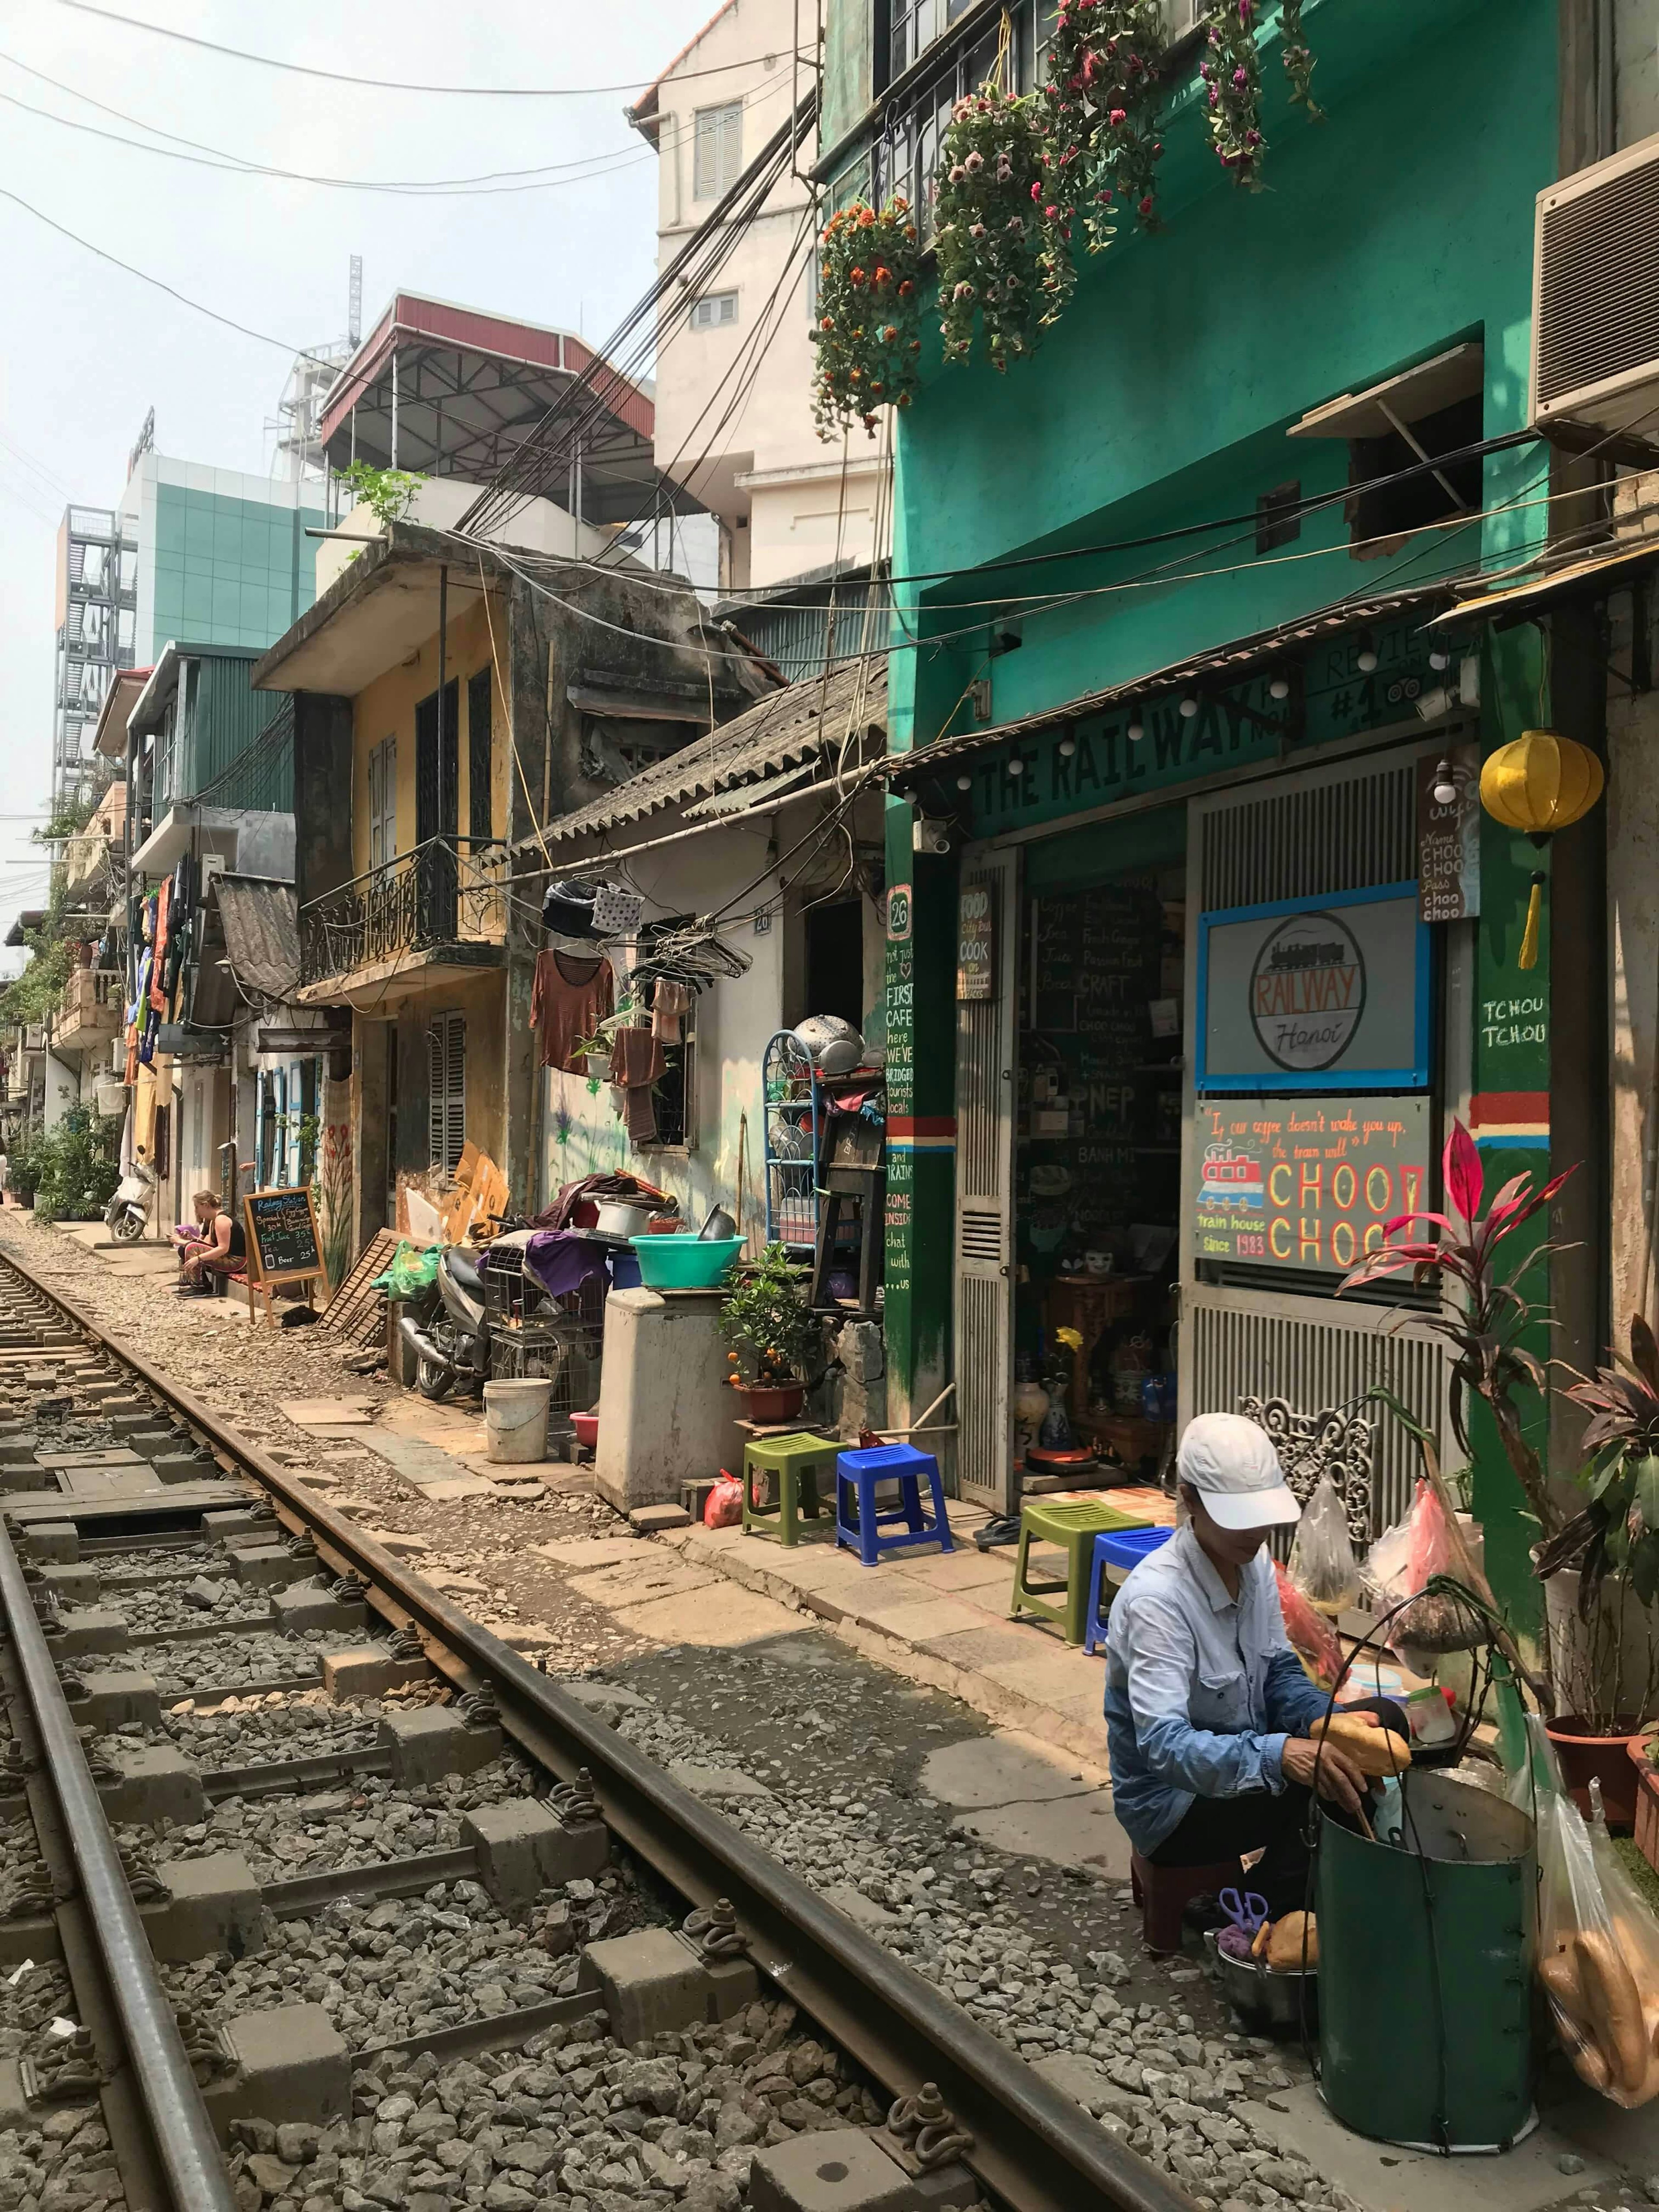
{"x":773,"y":1402}
{"x":1588,"y":1755}
{"x":1647,"y":1799}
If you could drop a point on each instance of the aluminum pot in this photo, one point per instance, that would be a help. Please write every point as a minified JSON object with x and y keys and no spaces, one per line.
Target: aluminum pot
{"x":623,"y":1217}
{"x":1269,"y":2004}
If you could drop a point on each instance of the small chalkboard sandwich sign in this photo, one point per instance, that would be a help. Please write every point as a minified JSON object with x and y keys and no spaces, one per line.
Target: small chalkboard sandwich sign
{"x":282,"y":1242}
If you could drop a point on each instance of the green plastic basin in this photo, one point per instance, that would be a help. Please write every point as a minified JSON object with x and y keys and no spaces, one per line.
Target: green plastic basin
{"x":684,"y":1263}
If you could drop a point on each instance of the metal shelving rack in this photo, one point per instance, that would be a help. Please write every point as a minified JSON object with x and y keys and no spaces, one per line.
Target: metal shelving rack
{"x":793,"y":1121}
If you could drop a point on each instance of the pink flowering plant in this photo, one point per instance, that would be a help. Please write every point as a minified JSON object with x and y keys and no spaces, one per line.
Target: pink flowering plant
{"x":869,"y":315}
{"x":1101,"y":99}
{"x":994,"y":218}
{"x":1471,"y":1258}
{"x":1298,"y":60}
{"x":1231,"y":74}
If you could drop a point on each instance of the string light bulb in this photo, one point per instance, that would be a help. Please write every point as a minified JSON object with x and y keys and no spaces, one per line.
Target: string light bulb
{"x":1188,"y":708}
{"x":1015,"y":767}
{"x":964,"y":783}
{"x":1445,"y":791}
{"x":1366,"y":663}
{"x":1280,"y":688}
{"x":1136,"y":732}
{"x":1068,"y":747}
{"x":1440,"y":658}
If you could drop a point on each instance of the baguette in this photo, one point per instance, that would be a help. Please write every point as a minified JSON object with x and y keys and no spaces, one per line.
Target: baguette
{"x":1375,"y":1751}
{"x":1613,"y":2004}
{"x":1294,"y":1944}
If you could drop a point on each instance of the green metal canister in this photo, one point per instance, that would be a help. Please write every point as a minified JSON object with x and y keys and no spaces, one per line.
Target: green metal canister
{"x":1425,"y":1960}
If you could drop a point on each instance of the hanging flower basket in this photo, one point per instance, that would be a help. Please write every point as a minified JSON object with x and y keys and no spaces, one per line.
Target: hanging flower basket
{"x":1102,"y":103}
{"x":995,"y":223}
{"x":1231,"y":74}
{"x":869,"y":315}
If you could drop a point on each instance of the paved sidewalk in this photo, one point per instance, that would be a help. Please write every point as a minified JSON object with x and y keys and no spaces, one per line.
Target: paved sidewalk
{"x":939,"y":1618}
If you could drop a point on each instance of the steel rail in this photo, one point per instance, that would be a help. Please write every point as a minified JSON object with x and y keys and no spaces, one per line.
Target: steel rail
{"x":1034,"y":2148}
{"x":186,"y":2149}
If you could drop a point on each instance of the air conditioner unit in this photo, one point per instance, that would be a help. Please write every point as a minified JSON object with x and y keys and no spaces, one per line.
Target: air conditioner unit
{"x":1595,"y":308}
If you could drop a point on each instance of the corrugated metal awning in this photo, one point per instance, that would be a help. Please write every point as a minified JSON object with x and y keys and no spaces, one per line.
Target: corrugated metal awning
{"x":1225,"y":663}
{"x":789,"y":730}
{"x":261,"y":919}
{"x":1606,"y":571}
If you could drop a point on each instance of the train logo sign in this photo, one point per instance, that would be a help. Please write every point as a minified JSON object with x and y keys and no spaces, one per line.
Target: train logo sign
{"x":1308,"y":991}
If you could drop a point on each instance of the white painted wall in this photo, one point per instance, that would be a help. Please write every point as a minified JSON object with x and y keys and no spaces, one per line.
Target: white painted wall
{"x":439,"y":503}
{"x":772,"y":436}
{"x":581,"y":1133}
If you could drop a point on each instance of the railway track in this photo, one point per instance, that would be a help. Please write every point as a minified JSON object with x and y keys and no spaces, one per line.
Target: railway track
{"x":313,"y":1895}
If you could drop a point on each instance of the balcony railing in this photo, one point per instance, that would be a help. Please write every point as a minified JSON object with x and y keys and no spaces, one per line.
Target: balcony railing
{"x":451,"y":891}
{"x":91,"y":1009}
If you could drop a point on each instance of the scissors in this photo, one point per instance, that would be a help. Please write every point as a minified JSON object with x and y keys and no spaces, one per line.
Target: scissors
{"x":1247,"y":1912}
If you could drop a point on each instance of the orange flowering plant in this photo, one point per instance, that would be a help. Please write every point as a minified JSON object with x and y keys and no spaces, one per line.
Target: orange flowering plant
{"x":869,"y":314}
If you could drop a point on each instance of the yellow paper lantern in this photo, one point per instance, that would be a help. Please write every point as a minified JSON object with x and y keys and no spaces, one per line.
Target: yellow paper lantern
{"x":1539,"y":783}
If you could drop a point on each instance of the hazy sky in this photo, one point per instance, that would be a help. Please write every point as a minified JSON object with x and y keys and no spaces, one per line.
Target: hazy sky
{"x":85,"y":349}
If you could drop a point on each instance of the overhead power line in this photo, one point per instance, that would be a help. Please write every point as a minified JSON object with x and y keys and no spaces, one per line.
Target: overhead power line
{"x":394,"y":84}
{"x":539,"y":176}
{"x":294,"y":352}
{"x":600,"y":166}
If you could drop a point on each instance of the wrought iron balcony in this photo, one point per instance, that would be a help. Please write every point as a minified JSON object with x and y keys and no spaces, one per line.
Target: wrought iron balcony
{"x":444,"y":901}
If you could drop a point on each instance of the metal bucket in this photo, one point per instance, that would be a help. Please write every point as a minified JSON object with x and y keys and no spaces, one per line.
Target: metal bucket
{"x":1425,"y":1956}
{"x":515,"y":1418}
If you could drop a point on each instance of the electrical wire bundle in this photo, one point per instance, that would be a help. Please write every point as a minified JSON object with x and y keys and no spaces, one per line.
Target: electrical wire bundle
{"x":546,"y":456}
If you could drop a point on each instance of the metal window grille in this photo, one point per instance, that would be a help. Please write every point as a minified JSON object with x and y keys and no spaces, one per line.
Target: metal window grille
{"x":717,"y":149}
{"x":446,"y":1070}
{"x":714,"y":311}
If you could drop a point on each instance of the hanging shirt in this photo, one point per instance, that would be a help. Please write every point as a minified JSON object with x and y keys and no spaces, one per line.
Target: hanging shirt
{"x":158,"y":997}
{"x":568,"y":1000}
{"x":668,"y":1009}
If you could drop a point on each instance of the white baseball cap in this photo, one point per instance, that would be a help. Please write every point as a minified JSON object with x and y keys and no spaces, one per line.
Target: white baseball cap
{"x":1233,"y":1463}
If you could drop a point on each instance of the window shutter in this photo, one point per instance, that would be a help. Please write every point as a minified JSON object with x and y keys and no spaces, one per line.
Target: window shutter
{"x":716,"y":150}
{"x":445,"y":1072}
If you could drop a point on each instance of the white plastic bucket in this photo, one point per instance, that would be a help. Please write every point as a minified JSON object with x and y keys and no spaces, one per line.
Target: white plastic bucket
{"x":515,"y":1417}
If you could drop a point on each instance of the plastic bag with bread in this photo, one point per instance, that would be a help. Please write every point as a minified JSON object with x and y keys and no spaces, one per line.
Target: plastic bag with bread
{"x":1598,"y":1943}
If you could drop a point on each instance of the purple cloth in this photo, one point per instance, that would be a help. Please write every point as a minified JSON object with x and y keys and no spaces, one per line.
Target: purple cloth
{"x":562,"y":1260}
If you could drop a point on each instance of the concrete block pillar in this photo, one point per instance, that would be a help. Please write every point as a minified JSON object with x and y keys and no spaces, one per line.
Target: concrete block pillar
{"x":665,"y":1413}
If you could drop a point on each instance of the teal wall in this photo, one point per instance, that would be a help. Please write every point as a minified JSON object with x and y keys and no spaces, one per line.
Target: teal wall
{"x":1397,"y":228}
{"x":230,"y":571}
{"x":1400,"y":225}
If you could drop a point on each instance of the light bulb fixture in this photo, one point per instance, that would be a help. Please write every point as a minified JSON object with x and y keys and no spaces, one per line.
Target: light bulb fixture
{"x":1068,"y":747}
{"x":964,"y":783}
{"x":1440,"y":658}
{"x":1366,"y":663}
{"x":1280,"y":688}
{"x":1445,"y":791}
{"x":1015,"y":767}
{"x":1135,"y":732}
{"x":1188,"y":708}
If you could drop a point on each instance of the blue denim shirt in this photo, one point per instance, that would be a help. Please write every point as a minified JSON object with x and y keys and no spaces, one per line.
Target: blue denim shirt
{"x":1201,"y":1690}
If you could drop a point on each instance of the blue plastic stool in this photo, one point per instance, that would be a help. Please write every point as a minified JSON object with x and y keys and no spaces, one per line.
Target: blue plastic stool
{"x":857,"y":1474}
{"x":1118,"y":1547}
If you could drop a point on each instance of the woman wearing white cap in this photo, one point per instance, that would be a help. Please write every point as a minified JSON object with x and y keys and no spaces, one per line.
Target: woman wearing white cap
{"x":1208,"y":1707}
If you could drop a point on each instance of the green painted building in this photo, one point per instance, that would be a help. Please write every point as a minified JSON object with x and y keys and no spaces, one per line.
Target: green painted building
{"x":1170,"y":1036}
{"x":222,"y":558}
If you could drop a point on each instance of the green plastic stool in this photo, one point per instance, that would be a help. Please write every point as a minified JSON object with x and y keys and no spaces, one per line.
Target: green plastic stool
{"x":1072,"y":1529}
{"x":795,"y":1461}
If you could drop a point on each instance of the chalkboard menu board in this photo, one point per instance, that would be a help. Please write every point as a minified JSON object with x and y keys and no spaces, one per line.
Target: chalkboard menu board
{"x":1096,"y":967}
{"x":281,"y":1234}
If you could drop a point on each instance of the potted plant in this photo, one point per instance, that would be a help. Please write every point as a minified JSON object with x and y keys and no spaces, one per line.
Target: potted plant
{"x":595,"y":1053}
{"x":774,"y":1337}
{"x":1605,"y":1649}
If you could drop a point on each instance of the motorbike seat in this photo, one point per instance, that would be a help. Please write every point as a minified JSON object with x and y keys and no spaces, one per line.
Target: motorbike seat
{"x":464,"y":1271}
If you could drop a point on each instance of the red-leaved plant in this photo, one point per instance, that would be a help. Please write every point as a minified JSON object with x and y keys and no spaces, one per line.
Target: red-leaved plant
{"x":1483,"y":1314}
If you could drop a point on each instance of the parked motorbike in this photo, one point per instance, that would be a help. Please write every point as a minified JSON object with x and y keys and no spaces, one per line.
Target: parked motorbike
{"x":127,"y":1214}
{"x":449,"y":1336}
